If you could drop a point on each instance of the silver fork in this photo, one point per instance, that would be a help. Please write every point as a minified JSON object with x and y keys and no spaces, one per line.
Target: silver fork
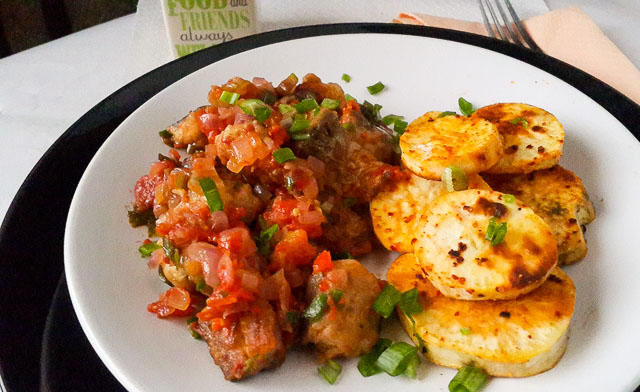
{"x":504,"y":29}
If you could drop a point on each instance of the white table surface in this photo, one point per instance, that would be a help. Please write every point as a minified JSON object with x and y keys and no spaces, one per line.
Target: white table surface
{"x":45,"y":89}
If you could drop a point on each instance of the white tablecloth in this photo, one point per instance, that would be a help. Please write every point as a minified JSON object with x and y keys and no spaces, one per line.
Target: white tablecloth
{"x":45,"y":89}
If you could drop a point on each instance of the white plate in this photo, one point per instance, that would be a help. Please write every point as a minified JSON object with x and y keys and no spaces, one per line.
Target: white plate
{"x":111,"y":286}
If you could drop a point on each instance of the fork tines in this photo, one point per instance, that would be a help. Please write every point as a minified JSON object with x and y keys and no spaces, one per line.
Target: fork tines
{"x":504,"y":23}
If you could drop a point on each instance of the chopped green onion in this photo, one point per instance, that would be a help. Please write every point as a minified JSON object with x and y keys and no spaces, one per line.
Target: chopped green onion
{"x":348,"y":98}
{"x":165,"y":134}
{"x":300,"y":136}
{"x":391,"y":118}
{"x":146,"y":249}
{"x":203,"y":287}
{"x":387,"y":300}
{"x":444,"y":114}
{"x":336,"y":295}
{"x":520,"y":120}
{"x":466,"y":107}
{"x":268,"y":98}
{"x":330,"y":371}
{"x":263,"y":240}
{"x":211,"y":194}
{"x":284,"y":155}
{"x":170,"y":251}
{"x":376,"y":88}
{"x":465,"y":330}
{"x":468,"y":379}
{"x":367,"y":363}
{"x":192,"y":148}
{"x":315,"y":112}
{"x":346,"y":77}
{"x":454,"y":179}
{"x":143,"y":218}
{"x":411,"y":370}
{"x":341,"y":256}
{"x":162,"y":277}
{"x":400,"y":126}
{"x":329,"y":103}
{"x":316,"y":308}
{"x":293,"y":317}
{"x":193,"y":333}
{"x":395,"y":359}
{"x":284,"y":108}
{"x":306,"y":105}
{"x":256,"y":108}
{"x":229,"y":97}
{"x":409,"y":302}
{"x":192,"y":320}
{"x":300,"y":123}
{"x":162,"y":157}
{"x":508,"y":198}
{"x":496,"y":232}
{"x":289,"y":183}
{"x":371,"y":111}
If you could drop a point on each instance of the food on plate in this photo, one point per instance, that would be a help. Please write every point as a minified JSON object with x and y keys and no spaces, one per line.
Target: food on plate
{"x":557,"y":196}
{"x":275,"y":180}
{"x":532,"y":137}
{"x":396,"y":209}
{"x":438,"y":140}
{"x":508,"y":338}
{"x":477,"y":245}
{"x":353,"y":331}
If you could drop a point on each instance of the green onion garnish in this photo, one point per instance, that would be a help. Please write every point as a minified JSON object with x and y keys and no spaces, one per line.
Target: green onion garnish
{"x":300,"y":136}
{"x":454,"y":179}
{"x":395,"y":359}
{"x":376,"y":88}
{"x":170,"y":251}
{"x":444,"y":114}
{"x":468,"y":379}
{"x":399,"y":127}
{"x":387,"y":300}
{"x":329,"y":103}
{"x":289,"y":183}
{"x":348,"y":126}
{"x":162,"y":157}
{"x":263,"y":240}
{"x":193,"y":333}
{"x":411,"y":370}
{"x":284,"y":155}
{"x":496,"y":232}
{"x":316,"y":308}
{"x":211,"y":194}
{"x":371,"y":111}
{"x":367,"y":363}
{"x":268,"y":98}
{"x":336,"y":295}
{"x":508,"y":198}
{"x":341,"y":256}
{"x":306,"y":105}
{"x":165,"y":134}
{"x":293,"y":317}
{"x":409,"y":302}
{"x":348,"y":98}
{"x":466,"y":108}
{"x":146,"y":249}
{"x":229,"y":97}
{"x":346,"y":78}
{"x":203,"y":287}
{"x":284,"y":108}
{"x":300,"y":123}
{"x":330,"y":371}
{"x":465,"y":330}
{"x":520,"y":120}
{"x":256,"y":108}
{"x":391,"y":119}
{"x":192,"y":320}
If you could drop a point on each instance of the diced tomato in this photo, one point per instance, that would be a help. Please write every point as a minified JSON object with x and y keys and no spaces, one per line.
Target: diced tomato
{"x":175,"y":302}
{"x":144,"y":193}
{"x":158,"y":168}
{"x":174,"y":154}
{"x":293,"y":250}
{"x":333,"y":309}
{"x":295,"y":214}
{"x":238,"y":241}
{"x":324,"y":285}
{"x":323,"y":262}
{"x":278,"y":134}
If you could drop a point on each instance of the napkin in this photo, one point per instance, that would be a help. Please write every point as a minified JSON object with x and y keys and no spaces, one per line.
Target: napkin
{"x":567,"y":34}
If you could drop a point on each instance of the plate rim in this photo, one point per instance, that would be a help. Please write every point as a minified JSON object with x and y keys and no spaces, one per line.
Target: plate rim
{"x":116,"y":107}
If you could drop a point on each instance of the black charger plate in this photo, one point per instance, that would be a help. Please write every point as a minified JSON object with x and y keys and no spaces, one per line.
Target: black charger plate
{"x":43,"y":344}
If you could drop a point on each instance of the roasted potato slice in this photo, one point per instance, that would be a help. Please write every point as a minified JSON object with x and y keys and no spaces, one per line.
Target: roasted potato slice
{"x":395,"y":210}
{"x":512,"y":338}
{"x":431,"y":143}
{"x":460,"y":261}
{"x":559,"y":198}
{"x":532,"y":137}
